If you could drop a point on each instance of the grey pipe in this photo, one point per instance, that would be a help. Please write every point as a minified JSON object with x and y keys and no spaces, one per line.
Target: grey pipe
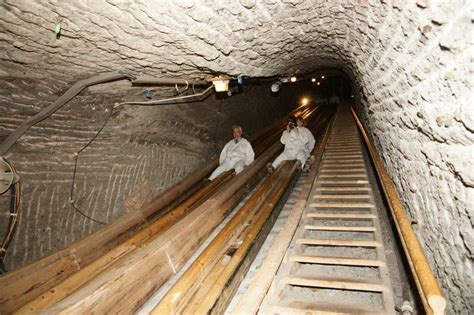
{"x":60,"y":102}
{"x":146,"y":80}
{"x":178,"y":99}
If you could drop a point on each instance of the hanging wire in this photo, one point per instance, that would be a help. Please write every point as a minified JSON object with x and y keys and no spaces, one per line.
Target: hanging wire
{"x":72,"y":200}
{"x":15,"y":195}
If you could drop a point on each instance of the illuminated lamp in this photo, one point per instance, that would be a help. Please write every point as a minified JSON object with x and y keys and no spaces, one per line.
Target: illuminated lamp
{"x":221,"y":85}
{"x":275,"y":87}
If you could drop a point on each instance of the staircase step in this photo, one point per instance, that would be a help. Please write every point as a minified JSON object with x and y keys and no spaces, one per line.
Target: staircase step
{"x":342,"y":216}
{"x":341,"y":205}
{"x":319,"y":196}
{"x":337,"y":261}
{"x":348,"y":243}
{"x":335,"y":284}
{"x":340,"y":228}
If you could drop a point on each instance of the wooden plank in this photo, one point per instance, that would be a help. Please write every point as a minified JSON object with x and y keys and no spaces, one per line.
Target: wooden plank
{"x":343,"y":150}
{"x":319,"y":196}
{"x":342,"y":216}
{"x":338,"y":170}
{"x":342,"y":155}
{"x":212,"y":295}
{"x":346,"y":182}
{"x":345,"y":243}
{"x":334,"y":284}
{"x":359,"y":175}
{"x":340,"y":228}
{"x":328,"y":161}
{"x":343,"y":147}
{"x":346,"y":189}
{"x":342,"y":166}
{"x":336,"y":308}
{"x":343,"y":261}
{"x":189,"y":282}
{"x":342,"y":205}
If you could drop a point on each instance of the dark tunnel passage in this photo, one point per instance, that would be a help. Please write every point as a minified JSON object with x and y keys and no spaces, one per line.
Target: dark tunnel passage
{"x":109,"y":151}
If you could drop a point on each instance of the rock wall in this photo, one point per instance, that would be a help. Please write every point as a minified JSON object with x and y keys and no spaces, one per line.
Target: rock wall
{"x":410,"y":62}
{"x":416,"y":99}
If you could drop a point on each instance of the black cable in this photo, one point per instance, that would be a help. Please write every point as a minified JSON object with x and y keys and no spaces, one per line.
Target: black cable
{"x":10,"y":229}
{"x":72,"y":201}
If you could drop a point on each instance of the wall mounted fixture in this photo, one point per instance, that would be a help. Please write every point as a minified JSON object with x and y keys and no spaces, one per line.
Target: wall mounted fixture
{"x":275,"y":87}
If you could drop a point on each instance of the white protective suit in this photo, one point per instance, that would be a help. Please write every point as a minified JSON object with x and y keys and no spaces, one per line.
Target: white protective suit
{"x":235,"y":155}
{"x":311,"y":140}
{"x":295,"y":142}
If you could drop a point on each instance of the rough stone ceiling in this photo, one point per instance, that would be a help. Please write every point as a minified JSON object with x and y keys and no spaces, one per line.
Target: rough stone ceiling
{"x":189,"y":37}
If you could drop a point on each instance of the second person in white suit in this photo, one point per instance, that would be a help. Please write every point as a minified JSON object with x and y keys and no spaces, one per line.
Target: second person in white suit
{"x":296,"y":145}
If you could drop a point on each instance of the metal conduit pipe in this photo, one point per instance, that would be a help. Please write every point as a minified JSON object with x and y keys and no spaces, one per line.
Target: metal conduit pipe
{"x":430,"y":293}
{"x":172,"y":100}
{"x":60,"y":102}
{"x":147,"y":80}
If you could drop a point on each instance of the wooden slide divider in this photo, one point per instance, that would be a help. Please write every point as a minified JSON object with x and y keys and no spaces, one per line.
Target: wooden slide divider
{"x":189,"y":283}
{"x":26,"y":283}
{"x":125,"y":284}
{"x":210,"y":299}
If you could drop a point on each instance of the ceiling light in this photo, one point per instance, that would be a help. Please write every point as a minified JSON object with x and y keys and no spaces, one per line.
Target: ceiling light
{"x":318,"y":83}
{"x":304,"y":101}
{"x":313,"y":80}
{"x":322,"y":77}
{"x":275,"y":87}
{"x":221,"y":85}
{"x":293,"y":79}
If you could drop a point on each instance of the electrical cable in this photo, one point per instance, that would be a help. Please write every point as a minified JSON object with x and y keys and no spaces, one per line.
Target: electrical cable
{"x":71,"y":200}
{"x":15,"y":194}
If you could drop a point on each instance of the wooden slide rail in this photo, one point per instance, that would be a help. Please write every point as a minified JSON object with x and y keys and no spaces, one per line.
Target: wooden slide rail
{"x":182,"y":297}
{"x":124,"y":285}
{"x":431,"y":296}
{"x":48,"y":272}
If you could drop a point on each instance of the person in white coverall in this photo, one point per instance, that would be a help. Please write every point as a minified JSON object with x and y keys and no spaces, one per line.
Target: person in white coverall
{"x":295,"y":142}
{"x":237,"y":154}
{"x":311,"y":141}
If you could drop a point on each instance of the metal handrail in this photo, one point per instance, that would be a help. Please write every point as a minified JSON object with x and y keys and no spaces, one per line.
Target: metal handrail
{"x":431,"y":296}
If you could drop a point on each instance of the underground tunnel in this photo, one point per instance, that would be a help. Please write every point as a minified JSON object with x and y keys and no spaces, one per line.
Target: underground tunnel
{"x":113,"y":114}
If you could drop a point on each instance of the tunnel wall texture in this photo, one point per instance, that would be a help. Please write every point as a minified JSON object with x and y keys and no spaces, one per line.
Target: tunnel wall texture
{"x":410,"y":62}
